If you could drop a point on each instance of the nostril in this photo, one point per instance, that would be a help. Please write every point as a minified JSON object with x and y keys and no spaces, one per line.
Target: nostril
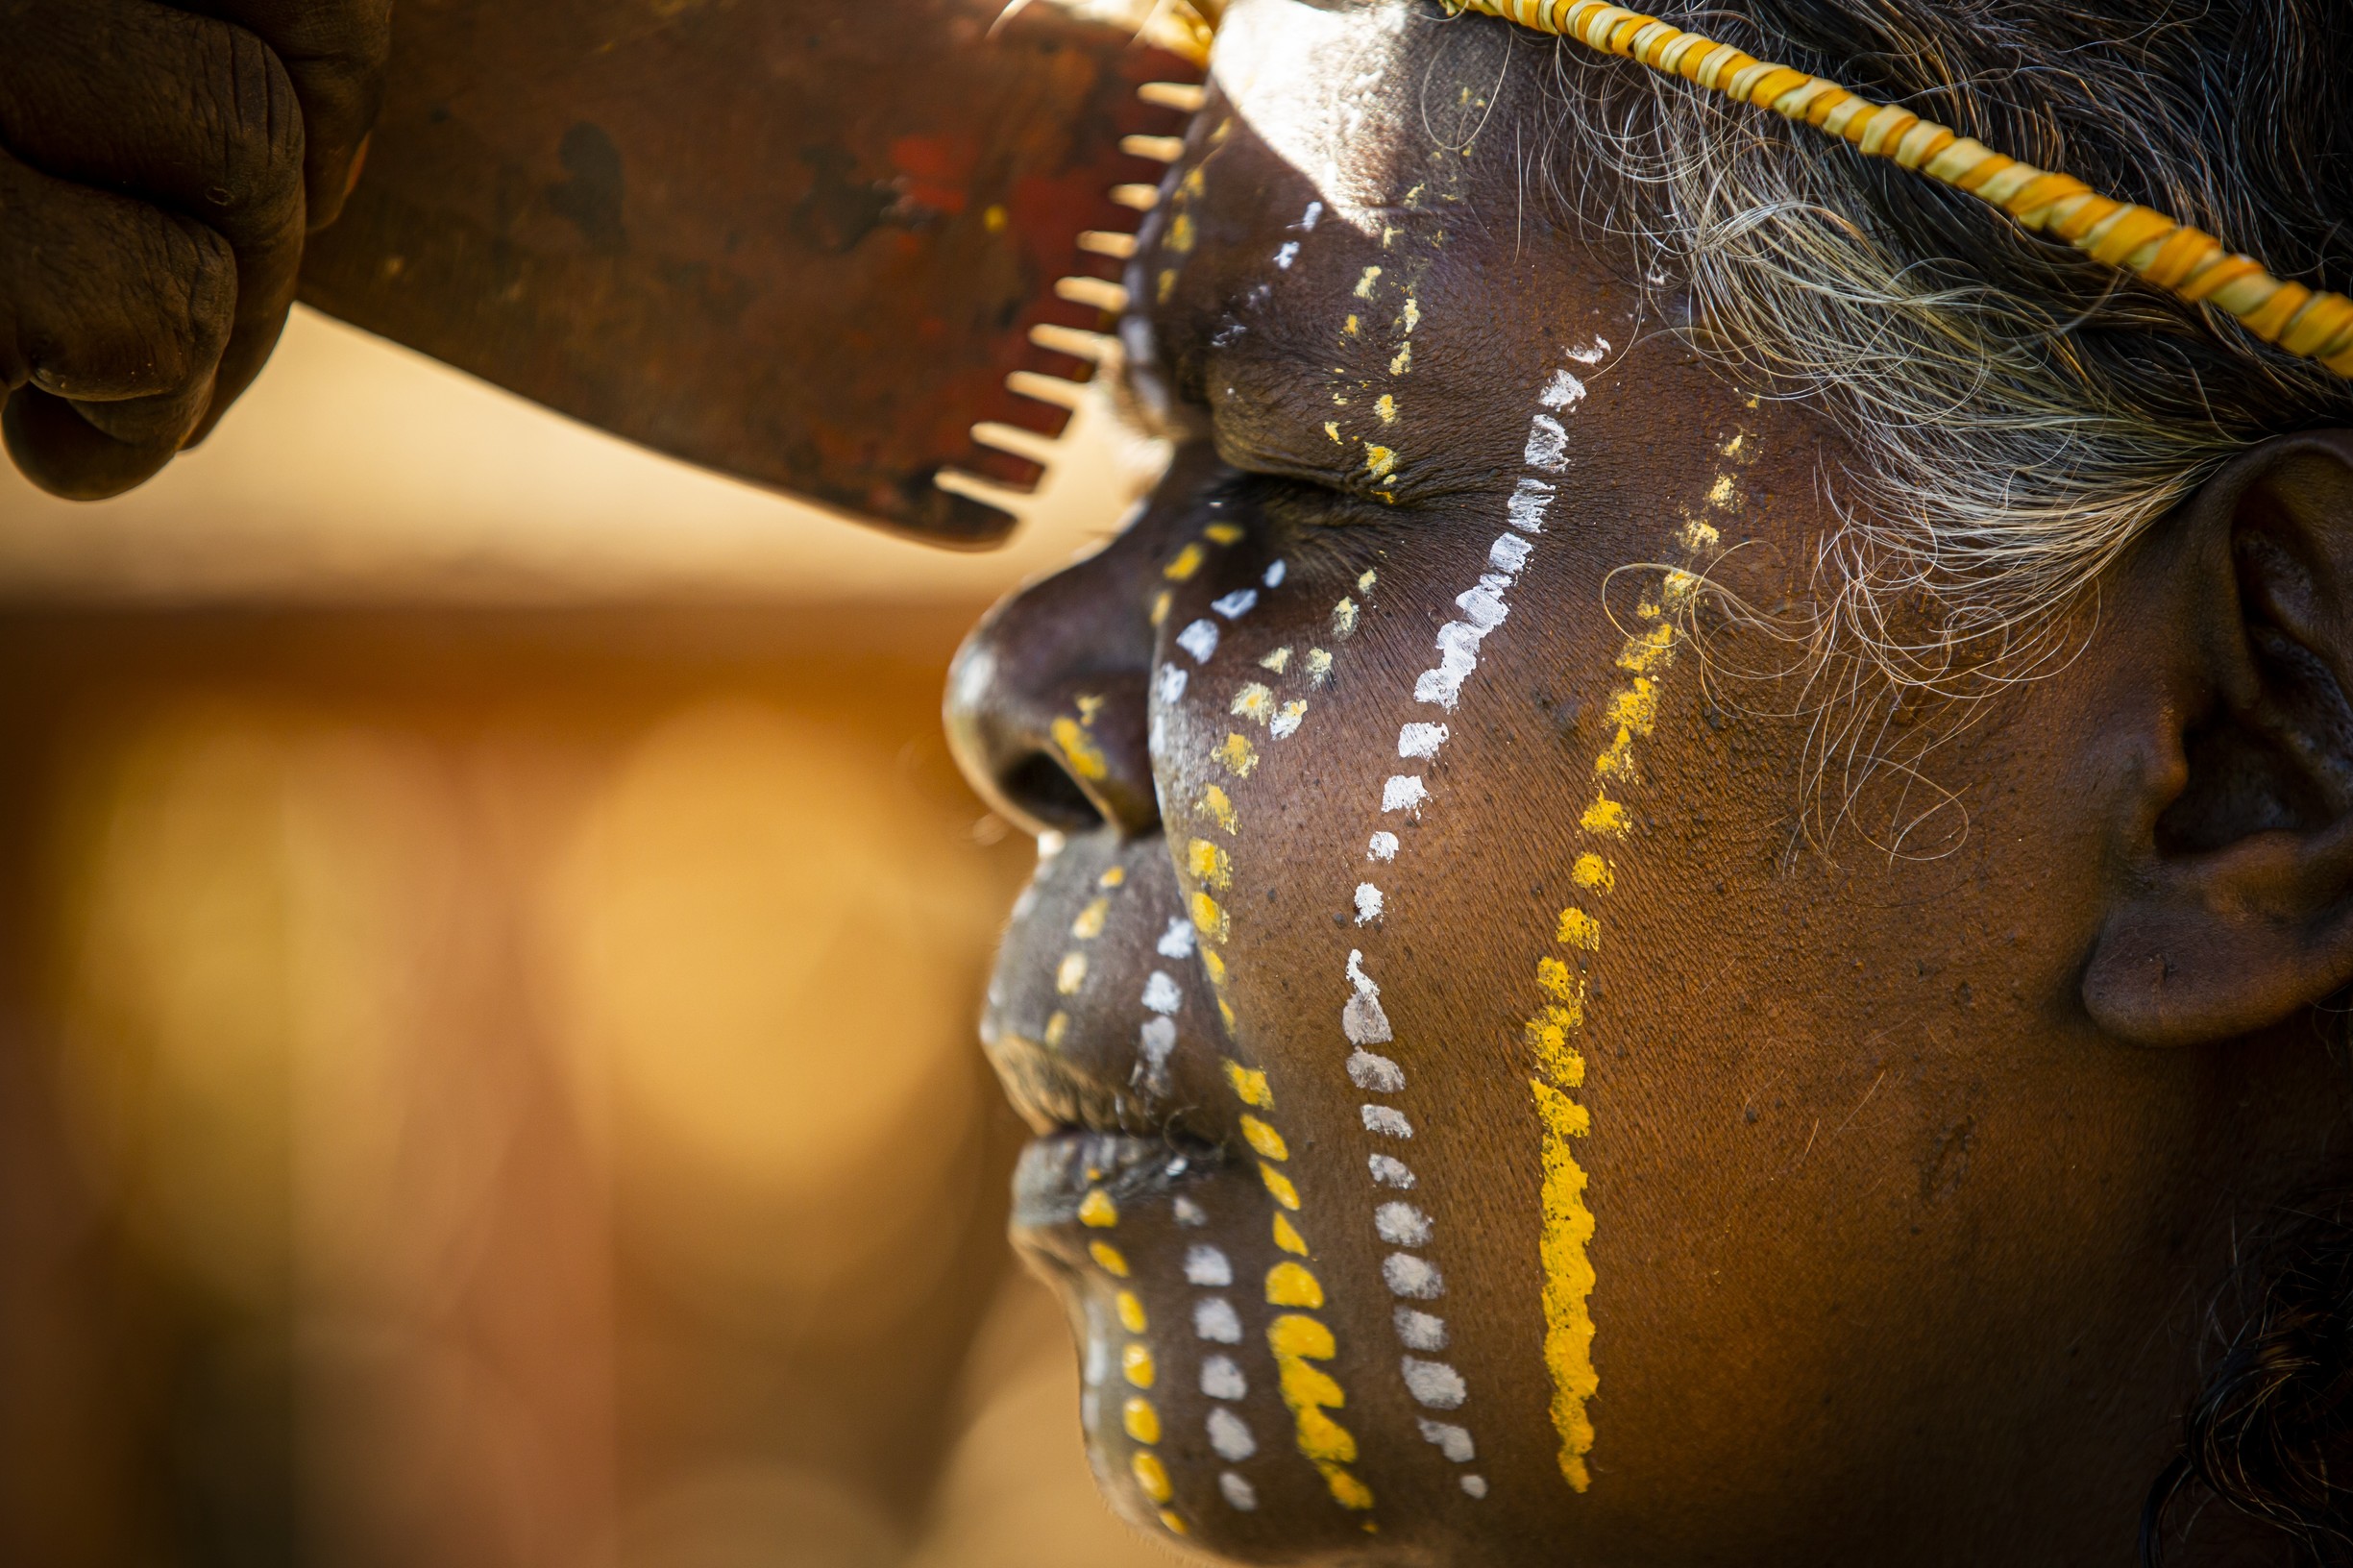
{"x":1039,"y":786}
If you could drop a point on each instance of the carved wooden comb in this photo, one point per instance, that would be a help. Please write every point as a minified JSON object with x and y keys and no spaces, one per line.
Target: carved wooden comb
{"x":862,"y":251}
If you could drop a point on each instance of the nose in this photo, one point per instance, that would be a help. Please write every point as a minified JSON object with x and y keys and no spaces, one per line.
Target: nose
{"x":1047,"y":705}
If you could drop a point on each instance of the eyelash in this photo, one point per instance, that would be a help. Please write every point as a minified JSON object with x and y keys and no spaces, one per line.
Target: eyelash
{"x":1311,"y":521}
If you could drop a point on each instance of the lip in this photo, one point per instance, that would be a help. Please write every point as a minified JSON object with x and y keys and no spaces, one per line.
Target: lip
{"x":1058,"y":1172}
{"x":1098,"y":1018}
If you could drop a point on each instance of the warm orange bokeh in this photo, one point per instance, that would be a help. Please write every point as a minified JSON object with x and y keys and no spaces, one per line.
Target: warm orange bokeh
{"x":496,"y":1086}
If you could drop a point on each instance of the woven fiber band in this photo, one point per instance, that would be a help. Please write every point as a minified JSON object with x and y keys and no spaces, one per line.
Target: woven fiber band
{"x":2189,"y":263}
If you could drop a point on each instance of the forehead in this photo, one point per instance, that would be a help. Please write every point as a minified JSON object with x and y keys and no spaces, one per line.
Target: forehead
{"x":1361,"y":255}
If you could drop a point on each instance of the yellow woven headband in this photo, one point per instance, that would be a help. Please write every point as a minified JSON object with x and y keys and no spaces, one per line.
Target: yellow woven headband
{"x":2189,"y":263}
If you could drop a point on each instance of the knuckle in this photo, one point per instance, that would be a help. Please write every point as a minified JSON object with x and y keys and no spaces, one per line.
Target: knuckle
{"x":257,"y":127}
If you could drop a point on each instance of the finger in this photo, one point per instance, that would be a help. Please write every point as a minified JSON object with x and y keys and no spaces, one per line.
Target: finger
{"x":335,"y":52}
{"x":196,"y":113}
{"x":64,"y":454}
{"x":115,"y":304}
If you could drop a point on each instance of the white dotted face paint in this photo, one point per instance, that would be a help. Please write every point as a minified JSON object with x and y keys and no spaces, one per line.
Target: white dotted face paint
{"x":1548,"y":444}
{"x":1389,"y":1170}
{"x":1563,"y":391}
{"x":1215,"y":1321}
{"x":1239,"y":1493}
{"x":1221,"y":1379}
{"x":1274,"y":575}
{"x":1475,"y":1485}
{"x":1206,"y":1266}
{"x":1230,"y":1435}
{"x":1420,"y":739}
{"x":1451,"y":1440}
{"x":1404,"y":791}
{"x":1173,"y":679}
{"x":1177,"y":942}
{"x":1236,"y":604}
{"x":1389,"y":1123}
{"x":1524,"y":510}
{"x":1382,"y":846}
{"x":1154,"y":1043}
{"x":1161,"y":993}
{"x":1417,"y":1279}
{"x":1433,"y":1383}
{"x":1200,"y":640}
{"x":1402,"y":1225}
{"x":1361,"y":1021}
{"x":1189,"y":1213}
{"x":1508,"y":554}
{"x":1373,"y":1071}
{"x":1289,"y":253}
{"x":1368,"y":904}
{"x":1418,"y":1330}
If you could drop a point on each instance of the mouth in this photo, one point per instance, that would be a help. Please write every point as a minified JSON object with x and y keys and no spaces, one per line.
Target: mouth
{"x":1098,"y":1018}
{"x":1055,"y":1183}
{"x":1137,"y":1201}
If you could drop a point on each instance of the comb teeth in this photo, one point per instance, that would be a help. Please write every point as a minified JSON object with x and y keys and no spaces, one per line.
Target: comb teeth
{"x":1159,"y":149}
{"x":1180,"y":96}
{"x":1043,"y":398}
{"x":1100,"y":292}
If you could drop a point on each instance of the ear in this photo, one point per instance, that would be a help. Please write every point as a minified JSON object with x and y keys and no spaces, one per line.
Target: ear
{"x":2234,"y":906}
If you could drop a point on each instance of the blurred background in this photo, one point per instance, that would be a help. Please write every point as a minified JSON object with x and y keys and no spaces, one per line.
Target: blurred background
{"x":490,"y":938}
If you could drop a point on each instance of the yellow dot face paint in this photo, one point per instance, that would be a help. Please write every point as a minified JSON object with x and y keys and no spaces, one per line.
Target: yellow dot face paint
{"x":1090,"y":922}
{"x":1209,"y":864}
{"x":1097,"y":1211}
{"x":1151,"y":1476}
{"x":1188,"y":561}
{"x":1237,"y":756}
{"x":1309,"y":1392}
{"x":1553,"y":1033}
{"x":1279,"y":1185}
{"x":1249,"y":1085}
{"x":1131,"y":1311}
{"x":1109,"y":1259}
{"x":1222,"y":533}
{"x":1290,"y":1285}
{"x":1220,"y":810}
{"x":1136,"y":1365}
{"x":1141,"y":1420}
{"x":1264,"y":1138}
{"x":1079,"y":750}
{"x":1070,"y":973}
{"x":1287,"y":1236}
{"x":1209,"y":918}
{"x":1604,"y":816}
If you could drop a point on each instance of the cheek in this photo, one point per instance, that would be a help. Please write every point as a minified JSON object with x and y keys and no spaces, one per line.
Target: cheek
{"x":1316,"y":761}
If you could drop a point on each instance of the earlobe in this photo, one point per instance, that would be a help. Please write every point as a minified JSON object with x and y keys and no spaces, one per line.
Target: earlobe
{"x":2233,"y":902}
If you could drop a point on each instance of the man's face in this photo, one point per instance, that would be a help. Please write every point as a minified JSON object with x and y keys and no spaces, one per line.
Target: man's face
{"x":1483,"y":1121}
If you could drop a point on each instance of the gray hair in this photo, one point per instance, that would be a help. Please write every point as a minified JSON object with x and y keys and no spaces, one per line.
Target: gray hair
{"x":2017,"y":417}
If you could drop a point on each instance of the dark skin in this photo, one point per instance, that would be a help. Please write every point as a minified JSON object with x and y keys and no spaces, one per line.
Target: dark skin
{"x":159,"y":166}
{"x":1909,"y":1175}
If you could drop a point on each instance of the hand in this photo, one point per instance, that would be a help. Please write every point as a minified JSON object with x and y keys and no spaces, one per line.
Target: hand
{"x":159,"y":169}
